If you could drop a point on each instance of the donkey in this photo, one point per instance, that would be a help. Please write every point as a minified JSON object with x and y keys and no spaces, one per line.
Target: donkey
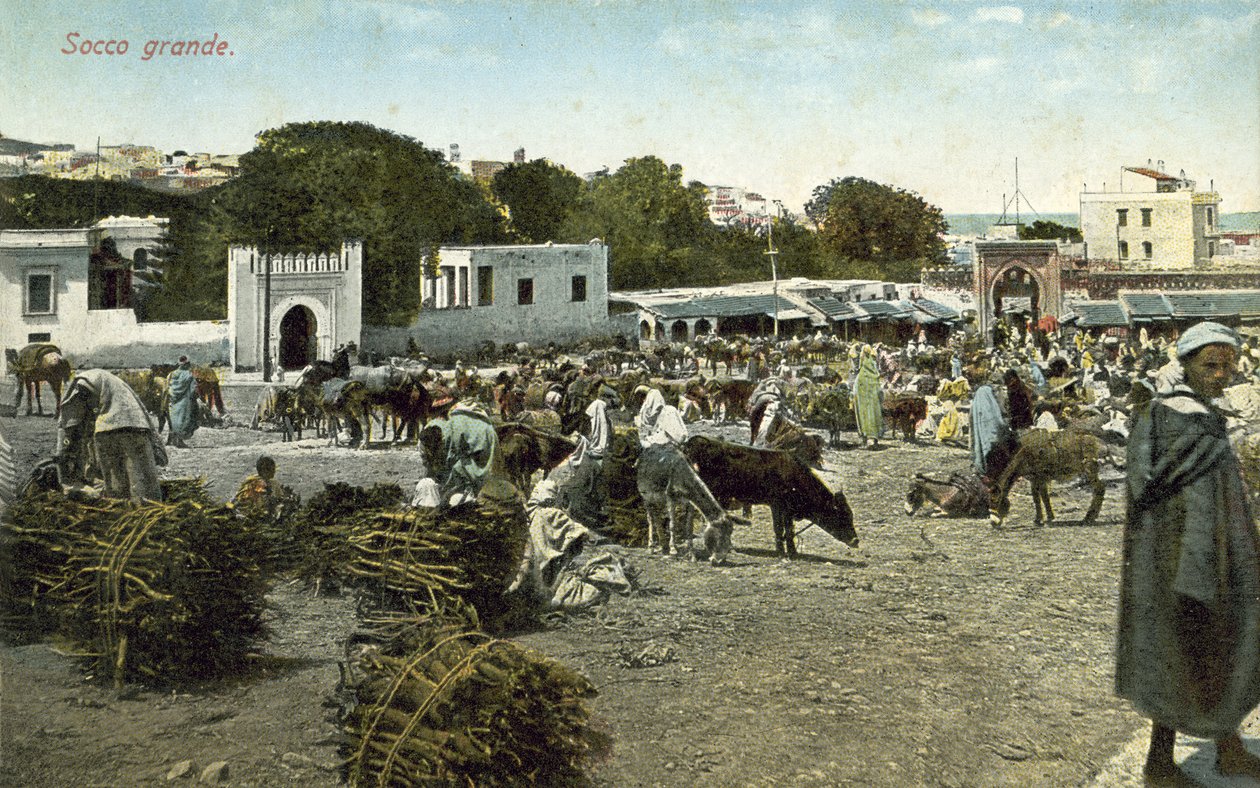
{"x":962,"y":495}
{"x":1044,"y":456}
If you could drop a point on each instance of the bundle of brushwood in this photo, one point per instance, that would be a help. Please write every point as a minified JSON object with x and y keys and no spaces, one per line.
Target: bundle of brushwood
{"x":161,"y":593}
{"x":420,"y":555}
{"x":436,"y":702}
{"x":176,"y":490}
{"x":317,"y":531}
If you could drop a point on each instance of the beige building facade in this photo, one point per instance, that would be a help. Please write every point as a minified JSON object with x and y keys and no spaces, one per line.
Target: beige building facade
{"x":1168,"y":227}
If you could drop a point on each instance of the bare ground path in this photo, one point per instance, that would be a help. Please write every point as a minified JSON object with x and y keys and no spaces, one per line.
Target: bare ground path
{"x":942,"y":652}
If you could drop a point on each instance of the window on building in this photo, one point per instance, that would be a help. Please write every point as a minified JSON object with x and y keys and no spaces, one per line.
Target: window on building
{"x":141,"y":258}
{"x":1148,"y":249}
{"x":1124,"y":250}
{"x":485,"y":285}
{"x":1209,"y":217}
{"x":579,"y":288}
{"x":41,"y":297}
{"x":42,"y":336}
{"x":461,"y":288}
{"x":1122,"y":217}
{"x":1146,"y":217}
{"x":1211,"y":249}
{"x":524,"y":291}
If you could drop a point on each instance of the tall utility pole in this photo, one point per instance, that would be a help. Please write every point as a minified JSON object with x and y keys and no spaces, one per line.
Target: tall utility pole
{"x":774,"y":269}
{"x":774,"y":273}
{"x":266,"y":261}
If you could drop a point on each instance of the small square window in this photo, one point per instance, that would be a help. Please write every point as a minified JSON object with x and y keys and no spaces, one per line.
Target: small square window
{"x":41,"y":297}
{"x":524,"y":291}
{"x":42,"y":336}
{"x":579,"y":288}
{"x":1122,"y":217}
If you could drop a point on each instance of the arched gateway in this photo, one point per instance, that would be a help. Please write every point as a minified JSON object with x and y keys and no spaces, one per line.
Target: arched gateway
{"x":1010,"y":270}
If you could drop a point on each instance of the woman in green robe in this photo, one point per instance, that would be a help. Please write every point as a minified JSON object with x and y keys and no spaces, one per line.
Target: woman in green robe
{"x":868,"y":400}
{"x":1188,"y":647}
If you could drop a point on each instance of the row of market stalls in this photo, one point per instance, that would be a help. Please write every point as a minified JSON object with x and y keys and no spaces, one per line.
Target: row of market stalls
{"x":1164,"y":313}
{"x":800,"y":309}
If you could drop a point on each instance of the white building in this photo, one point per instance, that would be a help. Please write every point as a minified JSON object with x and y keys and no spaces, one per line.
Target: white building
{"x":1168,"y":227}
{"x":316,"y":304}
{"x":538,"y":293}
{"x":730,"y":206}
{"x":68,"y":287}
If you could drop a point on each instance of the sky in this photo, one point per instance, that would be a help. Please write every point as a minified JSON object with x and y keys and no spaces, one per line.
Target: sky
{"x":939,"y":98}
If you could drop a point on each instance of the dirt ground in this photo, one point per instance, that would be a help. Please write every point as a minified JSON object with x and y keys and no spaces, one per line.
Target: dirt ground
{"x":941,"y":652}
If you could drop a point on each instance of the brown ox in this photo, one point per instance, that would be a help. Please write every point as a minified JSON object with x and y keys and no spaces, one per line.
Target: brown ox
{"x":734,"y":472}
{"x":904,"y":412}
{"x":34,"y":364}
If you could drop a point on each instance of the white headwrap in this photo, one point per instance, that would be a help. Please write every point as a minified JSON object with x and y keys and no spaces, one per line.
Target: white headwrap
{"x":1206,"y":333}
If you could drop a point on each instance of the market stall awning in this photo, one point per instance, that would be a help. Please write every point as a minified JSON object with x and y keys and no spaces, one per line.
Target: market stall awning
{"x":883,"y":310}
{"x":834,"y":309}
{"x":722,"y":306}
{"x":1096,"y":314}
{"x":1215,"y":304}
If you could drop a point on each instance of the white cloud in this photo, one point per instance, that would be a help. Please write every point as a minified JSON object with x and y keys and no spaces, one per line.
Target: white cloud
{"x":1058,"y":19}
{"x":929,"y":17}
{"x":1001,"y":13}
{"x":982,"y":65}
{"x":406,"y":17}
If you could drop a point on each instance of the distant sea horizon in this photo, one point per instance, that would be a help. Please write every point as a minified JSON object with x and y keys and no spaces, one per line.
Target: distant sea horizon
{"x":979,"y":223}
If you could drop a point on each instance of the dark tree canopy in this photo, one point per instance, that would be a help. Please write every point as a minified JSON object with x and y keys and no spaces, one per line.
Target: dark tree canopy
{"x":1042,"y":230}
{"x":880,"y":231}
{"x":311,"y":185}
{"x":657,"y":229}
{"x":539,"y":196}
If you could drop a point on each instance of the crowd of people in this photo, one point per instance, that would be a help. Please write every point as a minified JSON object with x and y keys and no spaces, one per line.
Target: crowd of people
{"x":1188,"y":652}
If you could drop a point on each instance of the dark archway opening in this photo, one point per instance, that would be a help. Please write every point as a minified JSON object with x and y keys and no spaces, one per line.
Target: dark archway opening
{"x":1016,"y":300}
{"x":298,"y":346}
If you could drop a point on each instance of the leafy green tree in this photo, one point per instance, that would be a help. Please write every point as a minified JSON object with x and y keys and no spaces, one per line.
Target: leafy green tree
{"x":1042,"y":230}
{"x":539,"y":195}
{"x":878,"y":231}
{"x":311,"y":185}
{"x":658,"y":230}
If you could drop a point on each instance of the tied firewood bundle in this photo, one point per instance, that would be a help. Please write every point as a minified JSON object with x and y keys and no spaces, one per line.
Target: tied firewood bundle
{"x":176,"y":490}
{"x":317,"y":532}
{"x":421,"y":555}
{"x":440,"y":703}
{"x":161,"y":593}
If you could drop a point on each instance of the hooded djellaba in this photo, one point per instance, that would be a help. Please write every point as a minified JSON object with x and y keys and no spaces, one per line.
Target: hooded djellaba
{"x":565,"y":564}
{"x":182,"y":389}
{"x":868,"y":399}
{"x":1188,"y":648}
{"x":990,"y":435}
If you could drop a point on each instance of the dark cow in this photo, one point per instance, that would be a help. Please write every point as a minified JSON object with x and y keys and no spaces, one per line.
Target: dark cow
{"x":904,"y":412}
{"x":734,"y":472}
{"x":523,"y":450}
